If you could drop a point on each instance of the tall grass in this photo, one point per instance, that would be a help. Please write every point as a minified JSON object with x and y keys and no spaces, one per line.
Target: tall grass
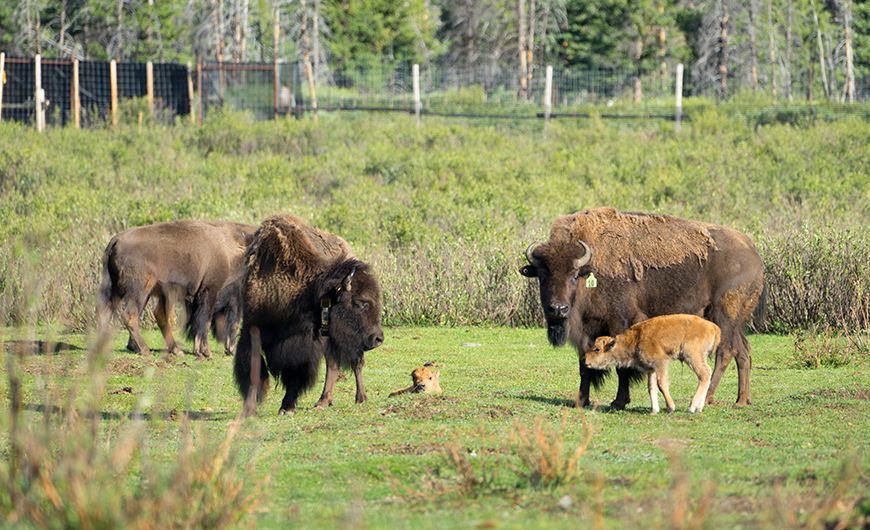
{"x":443,"y":210}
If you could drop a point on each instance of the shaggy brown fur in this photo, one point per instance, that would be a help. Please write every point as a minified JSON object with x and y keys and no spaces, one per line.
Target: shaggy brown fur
{"x":184,"y":259}
{"x":293,"y":270}
{"x":646,"y":265}
{"x":423,"y":379}
{"x":652,"y":344}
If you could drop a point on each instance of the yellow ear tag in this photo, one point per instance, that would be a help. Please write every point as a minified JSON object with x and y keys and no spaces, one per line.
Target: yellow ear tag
{"x":591,"y":282}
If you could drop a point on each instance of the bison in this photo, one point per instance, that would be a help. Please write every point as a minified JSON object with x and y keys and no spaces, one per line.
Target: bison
{"x":652,"y":344}
{"x":423,"y":379}
{"x":184,"y":259}
{"x":603,"y":271}
{"x":306,"y":297}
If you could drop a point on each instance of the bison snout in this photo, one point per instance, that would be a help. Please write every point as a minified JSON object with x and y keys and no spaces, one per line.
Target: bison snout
{"x":374,"y":340}
{"x":557,"y":311}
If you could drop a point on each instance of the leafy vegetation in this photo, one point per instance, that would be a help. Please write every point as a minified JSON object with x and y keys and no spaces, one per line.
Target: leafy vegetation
{"x":443,"y":210}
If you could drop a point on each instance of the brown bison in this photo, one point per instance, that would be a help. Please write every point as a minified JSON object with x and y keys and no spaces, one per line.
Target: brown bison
{"x":603,"y":271}
{"x":423,"y":379}
{"x":652,"y":344}
{"x":184,"y":259}
{"x":306,"y":297}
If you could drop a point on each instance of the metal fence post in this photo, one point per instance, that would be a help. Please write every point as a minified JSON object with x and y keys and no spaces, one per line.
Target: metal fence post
{"x":548,"y":94}
{"x":679,"y":116}
{"x":418,"y":106}
{"x":2,"y":81}
{"x":76,"y":95}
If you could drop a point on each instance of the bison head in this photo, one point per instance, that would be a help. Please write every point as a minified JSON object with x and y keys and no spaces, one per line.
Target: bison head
{"x":559,"y":267}
{"x":599,"y":358}
{"x":355,"y":313}
{"x":425,"y":380}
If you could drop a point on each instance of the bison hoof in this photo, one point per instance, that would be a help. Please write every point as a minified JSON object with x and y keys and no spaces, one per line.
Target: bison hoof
{"x":284,"y":411}
{"x":177,"y":351}
{"x":670,"y":410}
{"x":618,"y":404}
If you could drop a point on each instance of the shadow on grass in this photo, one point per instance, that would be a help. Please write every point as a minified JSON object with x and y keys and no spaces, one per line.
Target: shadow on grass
{"x":40,"y":347}
{"x":172,"y":415}
{"x":569,"y":403}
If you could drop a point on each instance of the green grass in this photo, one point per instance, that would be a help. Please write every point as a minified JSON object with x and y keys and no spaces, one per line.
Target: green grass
{"x":383,"y":464}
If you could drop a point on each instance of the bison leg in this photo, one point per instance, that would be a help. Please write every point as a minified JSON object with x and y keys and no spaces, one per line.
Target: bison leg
{"x":332,"y":371}
{"x":664,"y":384}
{"x":132,"y":311}
{"x":623,"y":398}
{"x":702,"y":369}
{"x":733,"y":345}
{"x":357,"y":373}
{"x":163,"y":314}
{"x":251,"y":399}
{"x":200,"y":320}
{"x":585,"y":383}
{"x":653,"y":392}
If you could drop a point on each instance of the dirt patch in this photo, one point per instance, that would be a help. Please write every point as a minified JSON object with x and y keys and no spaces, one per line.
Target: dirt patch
{"x":425,"y":406}
{"x":857,"y":393}
{"x":404,"y":449}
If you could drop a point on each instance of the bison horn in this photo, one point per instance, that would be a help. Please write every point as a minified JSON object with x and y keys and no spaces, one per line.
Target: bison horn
{"x":346,"y":283}
{"x":535,"y":262}
{"x":585,"y":259}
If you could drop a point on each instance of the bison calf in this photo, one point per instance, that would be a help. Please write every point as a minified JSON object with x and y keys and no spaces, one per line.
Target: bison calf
{"x":652,"y":344}
{"x":423,"y":379}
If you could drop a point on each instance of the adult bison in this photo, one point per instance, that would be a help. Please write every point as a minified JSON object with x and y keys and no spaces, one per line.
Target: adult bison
{"x":306,"y":297}
{"x":602,"y":271}
{"x":193,"y":260}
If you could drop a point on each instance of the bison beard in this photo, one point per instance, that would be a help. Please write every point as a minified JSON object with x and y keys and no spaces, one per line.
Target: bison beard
{"x":308,"y":298}
{"x":647,"y":265}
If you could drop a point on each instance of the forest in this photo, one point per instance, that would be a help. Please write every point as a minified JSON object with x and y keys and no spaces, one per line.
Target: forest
{"x":769,"y":45}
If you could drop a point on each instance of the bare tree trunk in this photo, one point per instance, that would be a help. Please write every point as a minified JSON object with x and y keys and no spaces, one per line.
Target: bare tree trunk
{"x":788,"y":19}
{"x":546,"y":22}
{"x":753,"y":51}
{"x":850,"y":71}
{"x":119,"y":37}
{"x":772,"y":48}
{"x":315,"y":34}
{"x":521,"y":45}
{"x":62,"y":27}
{"x":638,"y":53}
{"x":821,"y":52}
{"x":530,"y":65}
{"x":306,"y":57}
{"x":723,"y":50}
{"x":237,"y":30}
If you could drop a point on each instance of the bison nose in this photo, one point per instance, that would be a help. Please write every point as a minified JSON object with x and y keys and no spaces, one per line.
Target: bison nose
{"x":375,"y":340}
{"x":558,"y":310}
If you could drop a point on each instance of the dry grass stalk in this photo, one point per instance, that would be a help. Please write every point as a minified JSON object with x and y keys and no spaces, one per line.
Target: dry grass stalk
{"x":545,"y":461}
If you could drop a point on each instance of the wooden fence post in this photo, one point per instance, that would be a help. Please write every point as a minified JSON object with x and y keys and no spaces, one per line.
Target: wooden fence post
{"x":149,"y":84}
{"x":113,"y":81}
{"x":679,"y":116}
{"x":39,"y":96}
{"x":418,"y":105}
{"x":548,"y":94}
{"x":2,"y":81}
{"x":200,"y":92}
{"x":76,"y":99}
{"x":190,"y":95}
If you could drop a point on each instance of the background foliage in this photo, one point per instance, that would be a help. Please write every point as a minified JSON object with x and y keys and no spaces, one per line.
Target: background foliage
{"x":442,"y":211}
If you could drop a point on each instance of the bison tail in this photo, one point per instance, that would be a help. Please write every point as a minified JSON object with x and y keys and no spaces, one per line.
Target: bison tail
{"x":107,"y":298}
{"x":758,"y":324}
{"x":246,"y":372}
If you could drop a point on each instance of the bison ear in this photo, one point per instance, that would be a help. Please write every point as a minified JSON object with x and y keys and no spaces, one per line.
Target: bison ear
{"x":610,"y":345}
{"x":529,"y":271}
{"x":347,"y":283}
{"x":586,"y":270}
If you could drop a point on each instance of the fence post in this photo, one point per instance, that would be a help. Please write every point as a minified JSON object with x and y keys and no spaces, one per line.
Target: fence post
{"x":418,"y":106}
{"x":2,"y":81}
{"x":200,"y":92}
{"x":39,"y":96}
{"x":149,"y":84}
{"x":76,"y":97}
{"x":190,"y":95}
{"x":679,"y":116}
{"x":548,"y":94}
{"x":276,"y":37}
{"x":113,"y":81}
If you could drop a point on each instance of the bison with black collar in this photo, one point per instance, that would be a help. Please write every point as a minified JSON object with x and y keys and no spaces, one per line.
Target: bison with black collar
{"x":306,"y":297}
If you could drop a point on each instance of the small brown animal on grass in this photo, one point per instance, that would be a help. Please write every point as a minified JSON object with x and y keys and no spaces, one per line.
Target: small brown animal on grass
{"x":652,"y":344}
{"x":423,"y":379}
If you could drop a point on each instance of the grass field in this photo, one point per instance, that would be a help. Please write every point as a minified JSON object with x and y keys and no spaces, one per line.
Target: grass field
{"x":460,"y":460}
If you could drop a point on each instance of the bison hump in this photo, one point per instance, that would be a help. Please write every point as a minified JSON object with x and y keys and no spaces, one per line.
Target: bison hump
{"x":625,"y":244}
{"x":288,"y":243}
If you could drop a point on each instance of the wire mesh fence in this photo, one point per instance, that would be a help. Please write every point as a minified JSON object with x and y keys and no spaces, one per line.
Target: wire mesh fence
{"x":268,"y":90}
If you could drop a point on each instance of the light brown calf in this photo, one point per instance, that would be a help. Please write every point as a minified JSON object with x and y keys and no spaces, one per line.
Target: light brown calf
{"x":422,"y":380}
{"x":652,"y":344}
